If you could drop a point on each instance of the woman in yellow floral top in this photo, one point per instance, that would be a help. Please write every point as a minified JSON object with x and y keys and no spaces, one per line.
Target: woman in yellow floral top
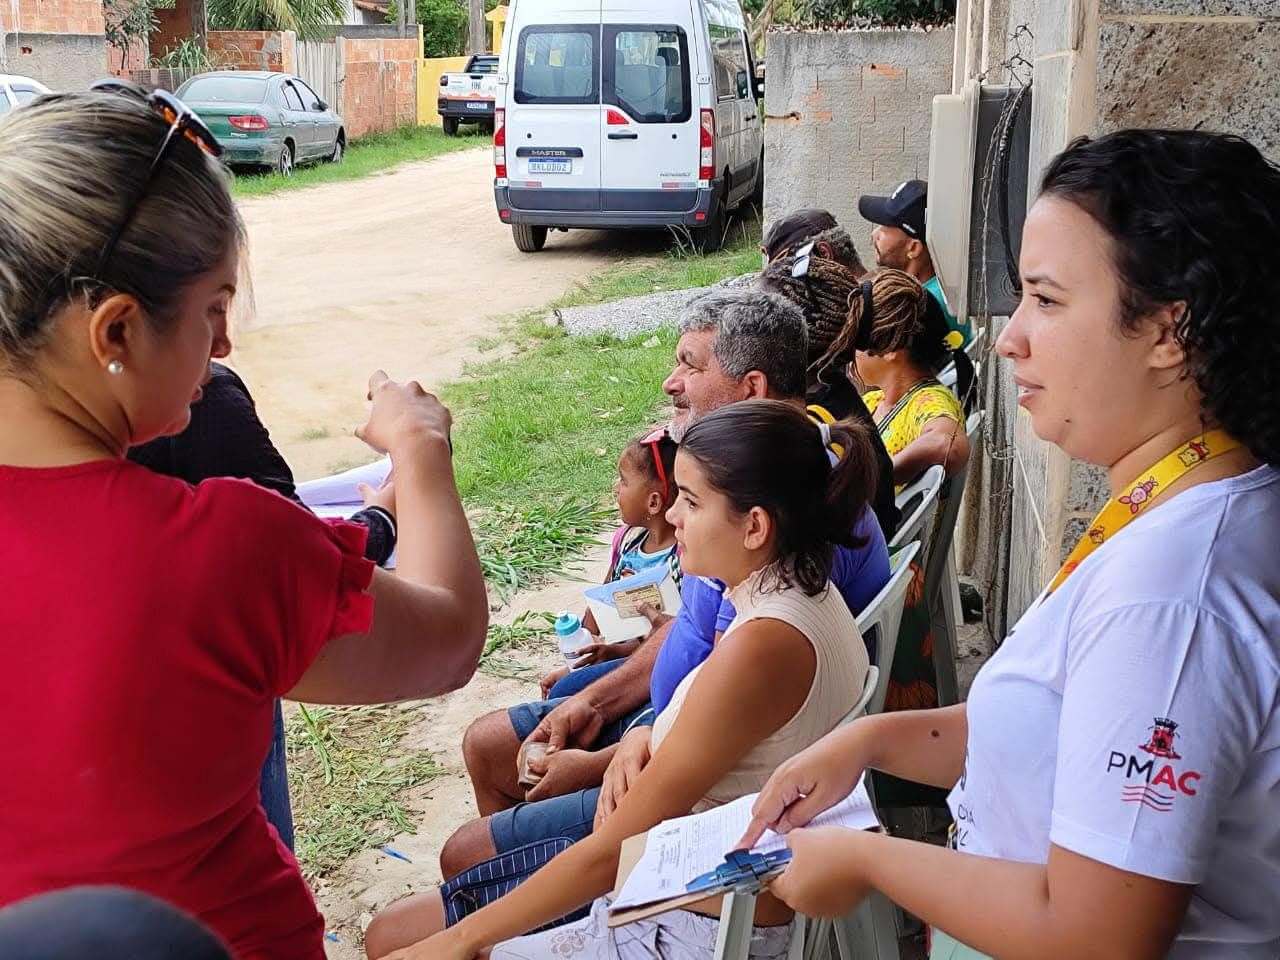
{"x":900,"y":344}
{"x":897,"y":339}
{"x":927,"y":423}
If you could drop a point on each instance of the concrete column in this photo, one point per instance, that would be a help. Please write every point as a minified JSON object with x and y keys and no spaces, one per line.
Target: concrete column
{"x":1103,"y":65}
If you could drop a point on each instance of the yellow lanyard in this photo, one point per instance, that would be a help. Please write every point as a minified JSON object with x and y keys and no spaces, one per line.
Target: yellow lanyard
{"x":1150,"y":485}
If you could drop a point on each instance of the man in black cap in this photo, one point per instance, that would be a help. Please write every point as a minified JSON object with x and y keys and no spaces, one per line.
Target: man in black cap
{"x":899,"y":240}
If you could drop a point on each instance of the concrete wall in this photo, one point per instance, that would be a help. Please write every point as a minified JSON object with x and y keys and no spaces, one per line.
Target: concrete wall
{"x":1097,"y":66}
{"x":1213,"y":64}
{"x":430,"y":70}
{"x":59,"y":42}
{"x":849,"y":113}
{"x":61,"y":61}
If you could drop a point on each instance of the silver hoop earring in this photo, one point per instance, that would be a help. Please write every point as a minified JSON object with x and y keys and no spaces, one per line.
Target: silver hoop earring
{"x":115,"y":368}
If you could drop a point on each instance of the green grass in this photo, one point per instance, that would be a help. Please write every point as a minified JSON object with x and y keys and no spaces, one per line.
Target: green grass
{"x":345,"y":779}
{"x":526,"y":630}
{"x":537,"y":438}
{"x":315,"y":433}
{"x":677,"y":269}
{"x":371,"y":154}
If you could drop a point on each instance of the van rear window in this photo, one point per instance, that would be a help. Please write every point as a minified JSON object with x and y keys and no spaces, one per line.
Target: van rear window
{"x":558,"y":64}
{"x":647,"y":72}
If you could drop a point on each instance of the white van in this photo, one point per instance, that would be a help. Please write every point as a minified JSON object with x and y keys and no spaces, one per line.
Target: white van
{"x":623,"y":113}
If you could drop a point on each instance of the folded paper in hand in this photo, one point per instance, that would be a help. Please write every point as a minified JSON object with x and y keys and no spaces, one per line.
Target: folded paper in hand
{"x":677,"y":851}
{"x":616,"y":605}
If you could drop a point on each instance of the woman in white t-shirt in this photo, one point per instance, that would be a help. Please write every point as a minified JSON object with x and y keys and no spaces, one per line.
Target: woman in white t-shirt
{"x":1115,"y":773}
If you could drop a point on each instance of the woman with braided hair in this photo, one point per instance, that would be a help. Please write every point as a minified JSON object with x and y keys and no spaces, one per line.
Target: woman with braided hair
{"x":820,"y":285}
{"x":895,"y":339}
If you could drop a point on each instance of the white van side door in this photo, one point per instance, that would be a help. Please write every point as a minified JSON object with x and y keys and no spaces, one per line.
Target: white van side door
{"x":729,"y":115}
{"x":736,"y":104}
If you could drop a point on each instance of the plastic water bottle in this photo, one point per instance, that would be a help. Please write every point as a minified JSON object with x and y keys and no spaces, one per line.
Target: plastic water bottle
{"x":572,"y":636}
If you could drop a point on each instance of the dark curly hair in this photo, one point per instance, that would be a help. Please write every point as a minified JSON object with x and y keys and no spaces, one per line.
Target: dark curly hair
{"x":1179,"y":207}
{"x":769,"y":454}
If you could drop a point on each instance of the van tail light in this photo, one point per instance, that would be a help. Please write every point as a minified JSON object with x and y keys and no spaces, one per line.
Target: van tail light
{"x":500,"y":144}
{"x":252,"y":121}
{"x":707,"y":158}
{"x":444,"y":81}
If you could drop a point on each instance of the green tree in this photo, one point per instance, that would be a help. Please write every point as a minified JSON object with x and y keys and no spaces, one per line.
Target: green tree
{"x":444,"y":27}
{"x":309,"y":19}
{"x":131,"y":20}
{"x":835,"y":12}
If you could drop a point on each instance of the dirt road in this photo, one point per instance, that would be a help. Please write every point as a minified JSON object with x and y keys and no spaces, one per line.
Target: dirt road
{"x":403,"y":271}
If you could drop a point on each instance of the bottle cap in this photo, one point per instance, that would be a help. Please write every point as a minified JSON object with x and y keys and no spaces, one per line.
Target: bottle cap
{"x":567,"y":624}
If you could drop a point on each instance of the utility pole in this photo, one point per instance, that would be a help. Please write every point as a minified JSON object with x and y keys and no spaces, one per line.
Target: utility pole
{"x":475,"y":27}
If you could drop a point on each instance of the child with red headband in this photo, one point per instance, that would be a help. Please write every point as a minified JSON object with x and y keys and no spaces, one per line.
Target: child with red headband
{"x":644,"y":491}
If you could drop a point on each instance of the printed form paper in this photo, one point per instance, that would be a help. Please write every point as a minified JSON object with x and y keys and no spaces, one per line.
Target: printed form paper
{"x":679,"y":850}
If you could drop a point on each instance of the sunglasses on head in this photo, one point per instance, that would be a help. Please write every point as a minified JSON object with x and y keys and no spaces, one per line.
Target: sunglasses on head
{"x":182,"y":123}
{"x":654,"y":441}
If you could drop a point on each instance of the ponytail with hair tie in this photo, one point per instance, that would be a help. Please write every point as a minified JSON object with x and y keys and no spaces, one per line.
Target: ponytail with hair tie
{"x":759,"y":453}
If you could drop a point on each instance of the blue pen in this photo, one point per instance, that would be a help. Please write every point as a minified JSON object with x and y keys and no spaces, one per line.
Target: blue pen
{"x":396,"y":853}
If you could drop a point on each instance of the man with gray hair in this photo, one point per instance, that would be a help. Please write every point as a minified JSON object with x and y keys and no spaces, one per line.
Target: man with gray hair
{"x":745,"y":344}
{"x":734,"y":345}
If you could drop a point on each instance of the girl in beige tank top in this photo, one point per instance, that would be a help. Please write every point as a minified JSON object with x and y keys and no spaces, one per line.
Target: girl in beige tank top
{"x":838,"y":679}
{"x":759,"y":508}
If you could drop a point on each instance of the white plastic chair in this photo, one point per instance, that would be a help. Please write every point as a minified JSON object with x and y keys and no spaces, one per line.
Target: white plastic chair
{"x":941,"y":583}
{"x":918,"y":502}
{"x":882,"y":618}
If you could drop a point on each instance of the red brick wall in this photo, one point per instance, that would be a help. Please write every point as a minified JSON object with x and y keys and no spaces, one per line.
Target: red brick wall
{"x":59,"y":16}
{"x":380,"y":91}
{"x":255,"y":49}
{"x":137,"y":58}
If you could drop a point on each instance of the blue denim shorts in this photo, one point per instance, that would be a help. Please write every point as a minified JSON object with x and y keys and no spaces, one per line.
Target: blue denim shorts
{"x":569,"y":817}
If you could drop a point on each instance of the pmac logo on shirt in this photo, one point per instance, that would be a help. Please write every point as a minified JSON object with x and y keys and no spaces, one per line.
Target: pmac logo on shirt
{"x":1153,"y":780}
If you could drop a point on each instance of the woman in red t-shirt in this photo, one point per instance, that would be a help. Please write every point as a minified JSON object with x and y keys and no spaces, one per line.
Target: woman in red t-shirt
{"x":147,"y":625}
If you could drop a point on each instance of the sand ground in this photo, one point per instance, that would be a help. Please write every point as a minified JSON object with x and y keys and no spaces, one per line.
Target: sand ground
{"x":404,"y":271}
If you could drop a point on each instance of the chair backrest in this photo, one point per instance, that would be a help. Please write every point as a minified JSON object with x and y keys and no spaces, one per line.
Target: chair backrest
{"x":880,"y":620}
{"x":944,"y":530}
{"x":918,"y":501}
{"x":868,"y":691}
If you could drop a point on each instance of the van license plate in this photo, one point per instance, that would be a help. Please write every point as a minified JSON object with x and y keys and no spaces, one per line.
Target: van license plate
{"x":474,"y":105}
{"x":551,"y":166}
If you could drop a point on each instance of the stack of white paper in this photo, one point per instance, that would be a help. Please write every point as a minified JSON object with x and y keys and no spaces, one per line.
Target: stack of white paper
{"x":338,"y":496}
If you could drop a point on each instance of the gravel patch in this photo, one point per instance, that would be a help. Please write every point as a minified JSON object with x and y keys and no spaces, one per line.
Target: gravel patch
{"x":636,"y":315}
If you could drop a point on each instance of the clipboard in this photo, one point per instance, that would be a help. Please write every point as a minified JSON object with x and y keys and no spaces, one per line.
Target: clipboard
{"x":738,"y":871}
{"x":742,"y":872}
